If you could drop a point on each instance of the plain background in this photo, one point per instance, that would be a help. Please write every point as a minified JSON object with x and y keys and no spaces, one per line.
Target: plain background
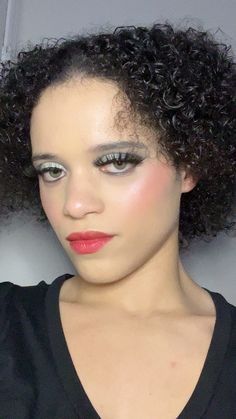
{"x":29,"y":252}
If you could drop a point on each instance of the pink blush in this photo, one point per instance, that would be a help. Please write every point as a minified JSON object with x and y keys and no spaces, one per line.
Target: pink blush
{"x":150,"y":188}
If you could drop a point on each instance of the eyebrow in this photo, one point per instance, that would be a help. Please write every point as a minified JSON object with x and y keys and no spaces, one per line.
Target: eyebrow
{"x":130,"y":145}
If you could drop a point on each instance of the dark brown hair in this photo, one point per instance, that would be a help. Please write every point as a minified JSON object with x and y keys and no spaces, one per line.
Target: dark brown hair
{"x":180,"y":82}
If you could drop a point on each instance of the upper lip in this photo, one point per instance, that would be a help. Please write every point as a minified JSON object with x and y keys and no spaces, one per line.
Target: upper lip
{"x":87,"y":235}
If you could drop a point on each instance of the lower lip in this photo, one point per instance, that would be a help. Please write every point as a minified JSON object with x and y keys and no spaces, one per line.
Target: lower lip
{"x":88,"y":246}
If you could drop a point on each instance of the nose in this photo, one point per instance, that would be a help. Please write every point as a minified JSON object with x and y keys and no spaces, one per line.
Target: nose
{"x":81,"y":197}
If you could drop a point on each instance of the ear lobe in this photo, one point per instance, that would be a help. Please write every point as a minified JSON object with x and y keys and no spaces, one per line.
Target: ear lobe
{"x":188,"y":183}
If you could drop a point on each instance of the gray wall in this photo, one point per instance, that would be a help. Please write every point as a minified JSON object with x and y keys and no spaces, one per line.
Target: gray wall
{"x":29,"y":252}
{"x":36,"y":19}
{"x":3,"y":15}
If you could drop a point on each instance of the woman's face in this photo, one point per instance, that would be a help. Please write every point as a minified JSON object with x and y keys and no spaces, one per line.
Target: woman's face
{"x":137,"y":202}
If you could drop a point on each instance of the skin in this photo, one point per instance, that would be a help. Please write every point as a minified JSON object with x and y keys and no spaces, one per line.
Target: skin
{"x":139,"y":270}
{"x":132,"y":311}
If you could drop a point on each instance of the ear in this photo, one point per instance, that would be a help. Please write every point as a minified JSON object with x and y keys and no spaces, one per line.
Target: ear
{"x":188,"y":182}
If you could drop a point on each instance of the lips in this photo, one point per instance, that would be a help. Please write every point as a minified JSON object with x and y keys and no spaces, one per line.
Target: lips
{"x":88,"y":241}
{"x":87,"y":235}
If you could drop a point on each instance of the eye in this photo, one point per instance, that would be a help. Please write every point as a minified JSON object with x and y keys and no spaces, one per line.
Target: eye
{"x":50,"y":172}
{"x":120,"y":160}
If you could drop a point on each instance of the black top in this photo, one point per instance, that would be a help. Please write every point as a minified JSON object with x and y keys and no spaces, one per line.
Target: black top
{"x":37,"y":376}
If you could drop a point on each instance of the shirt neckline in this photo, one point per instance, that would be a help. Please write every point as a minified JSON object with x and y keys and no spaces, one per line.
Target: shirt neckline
{"x":203,"y":391}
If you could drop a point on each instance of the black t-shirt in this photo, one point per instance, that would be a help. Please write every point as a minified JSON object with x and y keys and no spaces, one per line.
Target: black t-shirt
{"x":37,"y":376}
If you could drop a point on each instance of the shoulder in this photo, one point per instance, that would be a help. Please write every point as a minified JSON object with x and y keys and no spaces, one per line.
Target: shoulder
{"x":232,"y":309}
{"x":22,"y":332}
{"x":18,"y":301}
{"x":18,"y":304}
{"x":14,"y":294}
{"x":227,"y":330}
{"x":225,"y":390}
{"x":225,"y":327}
{"x":5,"y":290}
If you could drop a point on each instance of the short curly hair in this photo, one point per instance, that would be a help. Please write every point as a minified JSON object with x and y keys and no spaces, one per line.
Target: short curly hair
{"x":180,"y":82}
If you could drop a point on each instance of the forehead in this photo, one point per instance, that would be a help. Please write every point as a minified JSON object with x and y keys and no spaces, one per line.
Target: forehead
{"x":82,"y":97}
{"x":91,"y":109}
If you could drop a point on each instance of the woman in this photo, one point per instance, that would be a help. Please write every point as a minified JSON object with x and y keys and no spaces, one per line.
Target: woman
{"x":130,"y":137}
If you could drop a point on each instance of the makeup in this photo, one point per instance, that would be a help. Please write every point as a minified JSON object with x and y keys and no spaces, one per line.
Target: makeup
{"x":88,"y":241}
{"x":89,"y":246}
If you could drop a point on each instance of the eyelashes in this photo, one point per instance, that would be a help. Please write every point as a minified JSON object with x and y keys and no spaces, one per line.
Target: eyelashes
{"x":118,"y":158}
{"x":52,"y":171}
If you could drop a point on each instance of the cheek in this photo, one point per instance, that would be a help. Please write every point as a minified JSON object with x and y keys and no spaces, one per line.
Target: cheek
{"x":50,"y":205}
{"x":151,"y":193}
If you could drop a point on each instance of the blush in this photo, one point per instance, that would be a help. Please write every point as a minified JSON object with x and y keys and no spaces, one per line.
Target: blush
{"x":150,"y":188}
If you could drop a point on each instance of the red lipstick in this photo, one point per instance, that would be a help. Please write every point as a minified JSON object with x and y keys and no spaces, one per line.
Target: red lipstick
{"x":88,"y":241}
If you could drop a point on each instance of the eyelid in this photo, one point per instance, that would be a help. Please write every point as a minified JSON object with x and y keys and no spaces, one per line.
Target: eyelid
{"x":49,"y":165}
{"x":113,"y":157}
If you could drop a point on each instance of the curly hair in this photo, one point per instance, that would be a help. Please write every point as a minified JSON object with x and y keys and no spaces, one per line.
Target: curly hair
{"x":180,"y":82}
